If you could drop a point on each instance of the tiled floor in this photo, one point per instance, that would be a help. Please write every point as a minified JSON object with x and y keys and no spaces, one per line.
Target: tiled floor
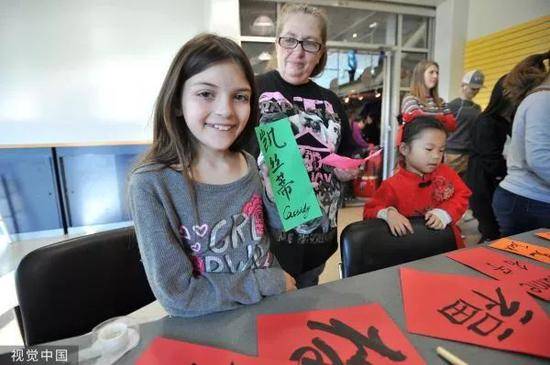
{"x":11,"y":255}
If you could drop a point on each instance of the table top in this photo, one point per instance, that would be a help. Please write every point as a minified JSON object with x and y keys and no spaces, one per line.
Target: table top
{"x":236,"y":330}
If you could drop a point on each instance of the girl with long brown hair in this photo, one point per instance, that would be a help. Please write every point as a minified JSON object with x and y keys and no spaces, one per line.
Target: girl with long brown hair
{"x":423,"y":98}
{"x":196,"y":198}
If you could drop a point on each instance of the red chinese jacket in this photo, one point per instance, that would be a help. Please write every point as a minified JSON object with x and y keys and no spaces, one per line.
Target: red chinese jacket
{"x":413,"y":195}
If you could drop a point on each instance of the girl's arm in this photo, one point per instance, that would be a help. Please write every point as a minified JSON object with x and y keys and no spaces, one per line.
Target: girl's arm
{"x":457,"y":204}
{"x":272,"y":218}
{"x":170,"y":270}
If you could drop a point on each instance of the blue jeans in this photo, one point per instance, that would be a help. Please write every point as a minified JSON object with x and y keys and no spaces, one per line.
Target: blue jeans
{"x":516,"y":214}
{"x":309,"y":278}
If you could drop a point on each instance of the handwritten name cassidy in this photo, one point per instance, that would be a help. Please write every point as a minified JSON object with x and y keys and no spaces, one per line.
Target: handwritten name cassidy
{"x":289,"y":213}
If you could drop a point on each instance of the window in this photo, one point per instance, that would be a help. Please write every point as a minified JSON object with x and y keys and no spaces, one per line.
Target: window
{"x":415,"y":31}
{"x":259,"y":54}
{"x":369,"y":68}
{"x":361,"y":26}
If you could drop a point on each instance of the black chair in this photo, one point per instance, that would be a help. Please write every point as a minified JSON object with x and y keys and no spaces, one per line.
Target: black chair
{"x":369,"y":245}
{"x":67,"y":288}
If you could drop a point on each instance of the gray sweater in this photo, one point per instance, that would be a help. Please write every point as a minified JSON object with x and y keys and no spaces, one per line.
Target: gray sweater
{"x":529,"y":154}
{"x":218,"y":263}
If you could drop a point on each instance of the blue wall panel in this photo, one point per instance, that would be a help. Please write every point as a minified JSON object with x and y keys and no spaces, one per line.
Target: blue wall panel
{"x":94,"y":180}
{"x":28,"y":193}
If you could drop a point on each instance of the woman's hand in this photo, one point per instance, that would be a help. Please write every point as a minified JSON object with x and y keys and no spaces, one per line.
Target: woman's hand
{"x":399,"y":224}
{"x":346,"y":174}
{"x":433,"y":221}
{"x":290,"y":282}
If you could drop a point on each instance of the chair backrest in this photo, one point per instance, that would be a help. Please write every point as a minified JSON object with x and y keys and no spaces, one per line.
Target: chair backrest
{"x":67,"y":288}
{"x":369,"y":245}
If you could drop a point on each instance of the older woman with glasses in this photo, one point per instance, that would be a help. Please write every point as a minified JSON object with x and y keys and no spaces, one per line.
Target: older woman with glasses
{"x":320,"y":126}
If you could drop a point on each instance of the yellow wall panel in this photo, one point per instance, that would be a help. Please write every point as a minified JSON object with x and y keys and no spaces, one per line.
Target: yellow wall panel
{"x":508,"y":36}
{"x":497,"y":53}
{"x":518,"y":44}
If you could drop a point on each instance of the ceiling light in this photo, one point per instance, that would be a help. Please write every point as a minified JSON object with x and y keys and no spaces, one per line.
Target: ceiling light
{"x":354,"y":35}
{"x":373,"y":25}
{"x":262,"y":25}
{"x":263,"y":21}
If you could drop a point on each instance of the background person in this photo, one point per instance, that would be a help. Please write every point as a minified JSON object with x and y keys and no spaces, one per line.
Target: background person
{"x":522,"y":200}
{"x":423,"y":98}
{"x":487,"y":165}
{"x":320,"y":126}
{"x":465,"y":112}
{"x":423,"y":185}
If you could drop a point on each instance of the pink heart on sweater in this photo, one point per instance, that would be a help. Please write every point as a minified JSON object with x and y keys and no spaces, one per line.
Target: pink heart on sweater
{"x":184,"y":232}
{"x":201,"y":230}
{"x":196,"y":247}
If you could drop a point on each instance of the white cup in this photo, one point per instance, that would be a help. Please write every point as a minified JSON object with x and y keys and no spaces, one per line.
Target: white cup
{"x":113,"y":337}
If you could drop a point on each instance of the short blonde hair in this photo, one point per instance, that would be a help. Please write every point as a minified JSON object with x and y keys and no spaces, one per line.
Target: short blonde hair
{"x":291,"y":9}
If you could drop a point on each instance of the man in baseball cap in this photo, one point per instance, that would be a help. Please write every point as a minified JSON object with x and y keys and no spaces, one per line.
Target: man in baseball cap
{"x":474,"y":79}
{"x":466,"y":112}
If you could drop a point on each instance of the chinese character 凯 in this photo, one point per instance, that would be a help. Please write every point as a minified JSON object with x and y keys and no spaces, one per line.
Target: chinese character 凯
{"x":268,"y":139}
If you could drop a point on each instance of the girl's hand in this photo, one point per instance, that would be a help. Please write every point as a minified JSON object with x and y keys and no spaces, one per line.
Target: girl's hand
{"x":266,"y":182}
{"x":399,"y":224}
{"x":433,"y":221}
{"x":347,"y":174}
{"x":290,"y":282}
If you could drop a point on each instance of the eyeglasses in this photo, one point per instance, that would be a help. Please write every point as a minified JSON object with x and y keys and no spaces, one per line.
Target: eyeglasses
{"x":307,"y":45}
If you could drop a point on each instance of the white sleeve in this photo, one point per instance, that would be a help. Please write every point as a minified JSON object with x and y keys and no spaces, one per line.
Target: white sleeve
{"x":442,"y":215}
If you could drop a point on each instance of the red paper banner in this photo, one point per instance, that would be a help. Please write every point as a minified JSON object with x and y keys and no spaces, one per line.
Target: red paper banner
{"x":334,"y":337}
{"x":535,"y":252}
{"x":473,"y":310}
{"x":533,"y":279}
{"x":164,"y":351}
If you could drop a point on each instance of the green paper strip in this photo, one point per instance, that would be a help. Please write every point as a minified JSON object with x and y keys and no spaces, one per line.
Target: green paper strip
{"x":295,"y":199}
